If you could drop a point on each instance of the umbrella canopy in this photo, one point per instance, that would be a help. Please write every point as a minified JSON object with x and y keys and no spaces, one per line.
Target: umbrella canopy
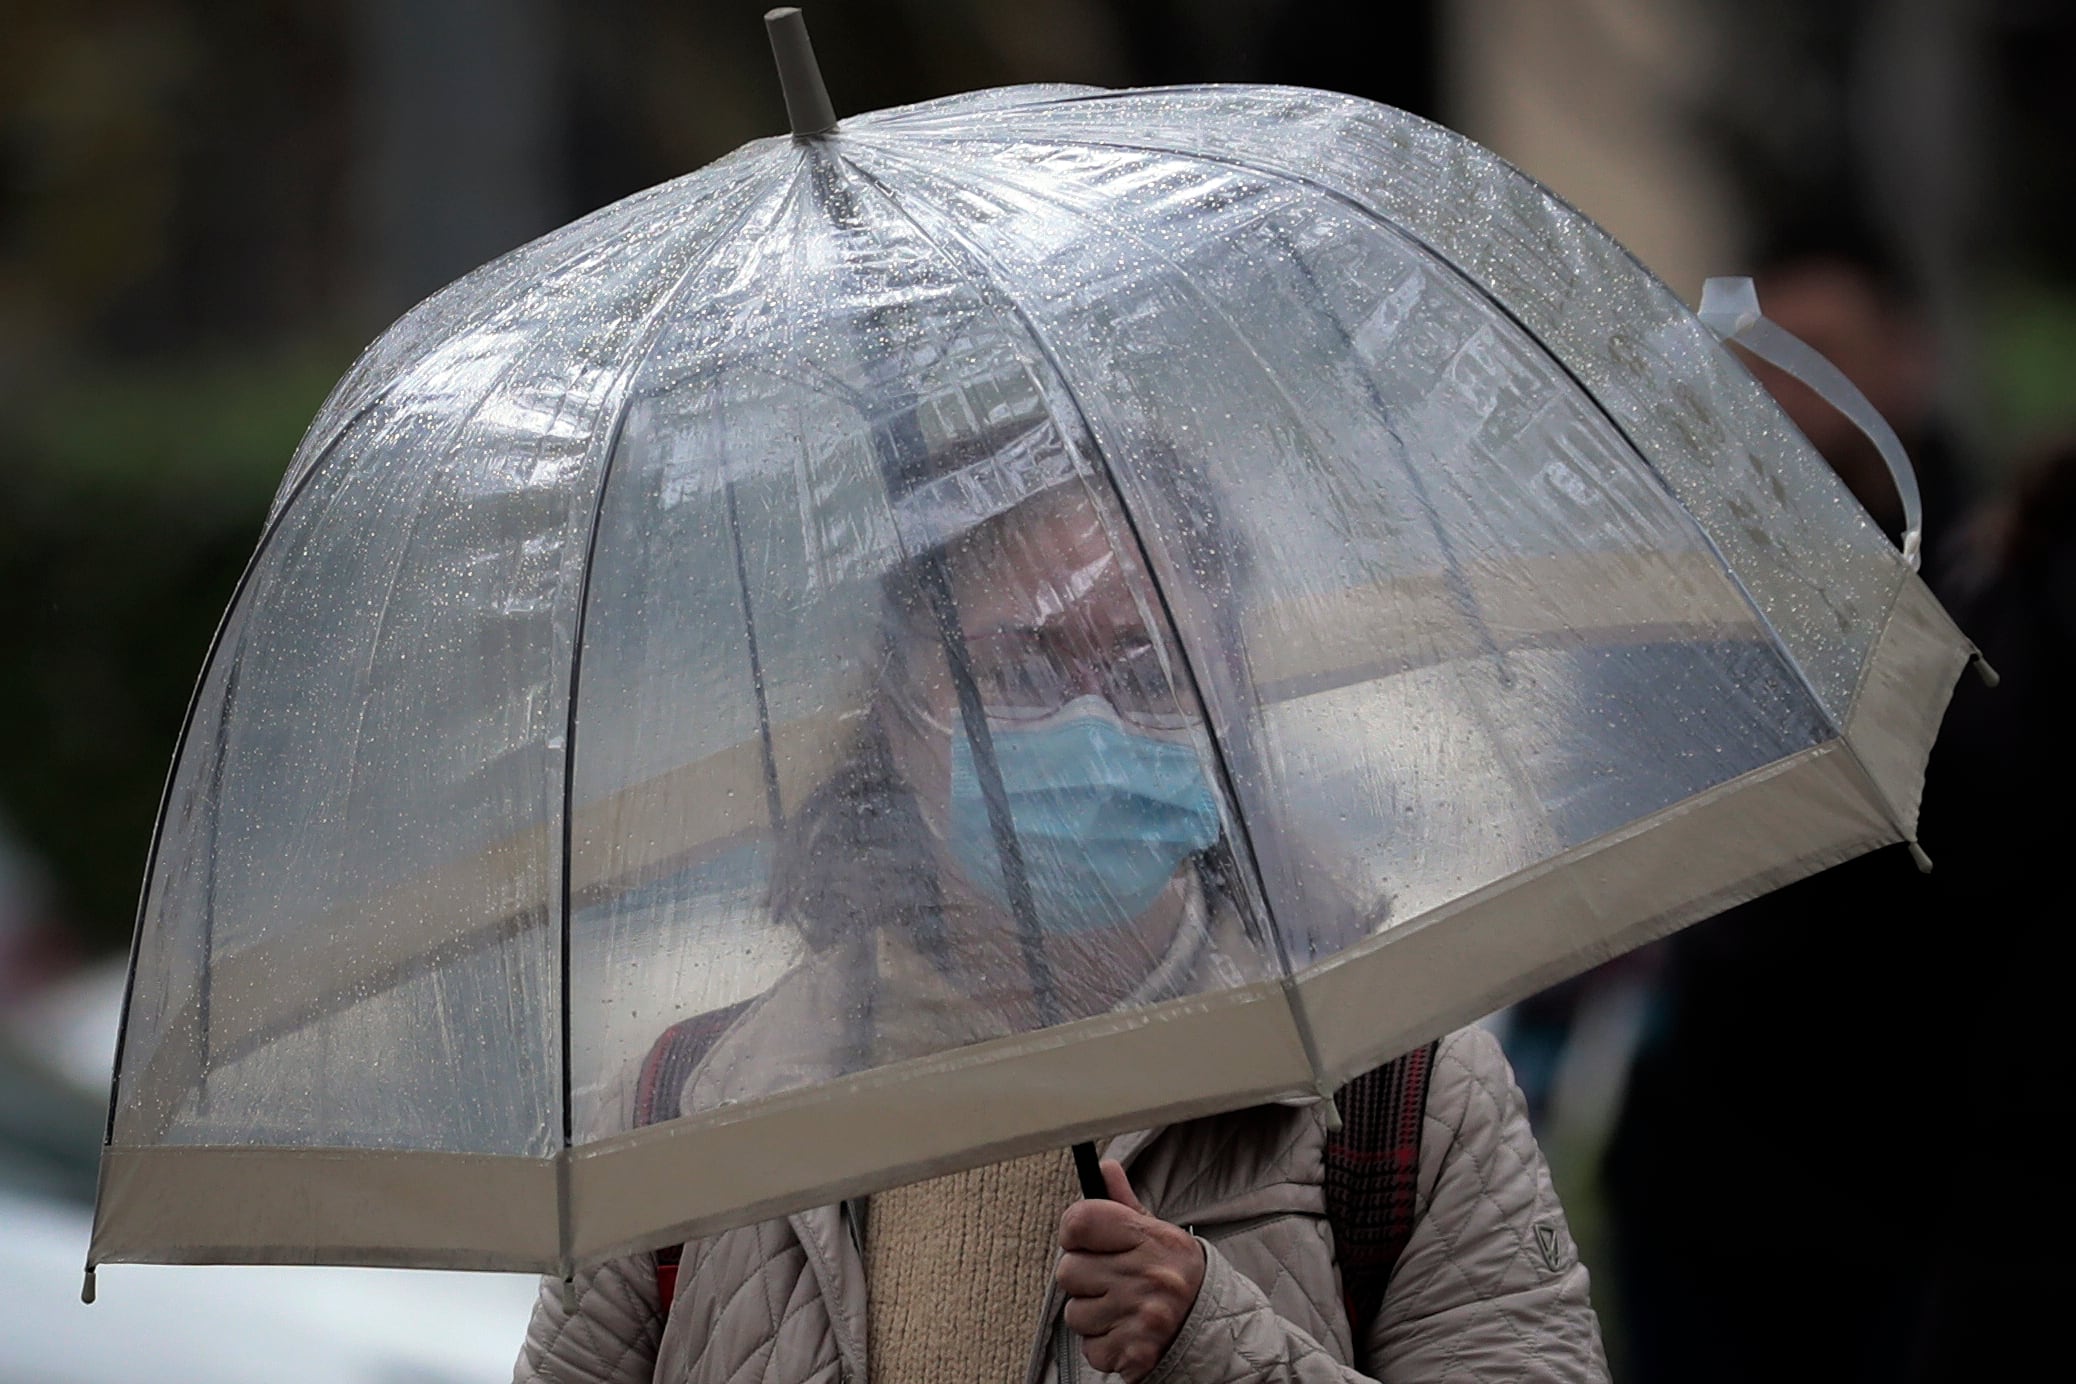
{"x":1007,"y":619}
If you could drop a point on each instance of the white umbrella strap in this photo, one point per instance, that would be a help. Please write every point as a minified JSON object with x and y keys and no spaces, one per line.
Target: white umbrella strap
{"x":1730,"y":309}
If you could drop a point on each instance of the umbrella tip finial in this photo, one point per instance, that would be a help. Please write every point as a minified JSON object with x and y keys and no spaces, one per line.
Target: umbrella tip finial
{"x":807,"y":100}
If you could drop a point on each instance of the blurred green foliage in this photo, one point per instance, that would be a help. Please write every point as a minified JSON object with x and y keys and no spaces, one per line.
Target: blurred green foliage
{"x":134,"y":496}
{"x":2029,"y":363}
{"x":199,"y":437}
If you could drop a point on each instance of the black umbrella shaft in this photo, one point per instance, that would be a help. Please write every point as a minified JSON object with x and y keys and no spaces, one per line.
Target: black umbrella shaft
{"x":773,"y":805}
{"x":900,"y":449}
{"x":936,"y":584}
{"x":1089,"y":1169}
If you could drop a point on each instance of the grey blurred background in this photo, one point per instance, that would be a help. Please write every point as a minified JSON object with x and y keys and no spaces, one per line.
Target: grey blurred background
{"x":208,"y":206}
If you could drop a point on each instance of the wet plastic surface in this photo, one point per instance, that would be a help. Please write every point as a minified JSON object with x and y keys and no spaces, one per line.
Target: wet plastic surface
{"x":1017,"y":558}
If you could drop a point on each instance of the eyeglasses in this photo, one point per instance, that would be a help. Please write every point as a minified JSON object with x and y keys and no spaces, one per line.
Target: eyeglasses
{"x":1021,"y":676}
{"x":1025,"y":674}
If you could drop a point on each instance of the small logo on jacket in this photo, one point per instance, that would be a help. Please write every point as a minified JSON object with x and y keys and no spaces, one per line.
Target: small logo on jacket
{"x":1546,"y":1241}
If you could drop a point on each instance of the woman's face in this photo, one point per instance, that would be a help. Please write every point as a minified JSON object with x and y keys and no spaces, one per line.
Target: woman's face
{"x":1049,"y":612}
{"x":1089,"y":748}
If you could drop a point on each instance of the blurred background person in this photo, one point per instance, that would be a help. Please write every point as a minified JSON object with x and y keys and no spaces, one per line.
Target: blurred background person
{"x":1757,"y":1176}
{"x":1996,"y":797}
{"x":1773,"y":1197}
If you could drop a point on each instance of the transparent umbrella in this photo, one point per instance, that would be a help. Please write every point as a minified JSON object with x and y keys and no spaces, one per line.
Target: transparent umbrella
{"x":988,"y":623}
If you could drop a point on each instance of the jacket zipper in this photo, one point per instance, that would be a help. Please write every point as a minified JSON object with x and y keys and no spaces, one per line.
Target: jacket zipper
{"x":1066,"y":1357}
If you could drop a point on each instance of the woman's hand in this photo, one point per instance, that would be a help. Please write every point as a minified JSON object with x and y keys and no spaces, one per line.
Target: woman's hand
{"x":1130,"y":1278}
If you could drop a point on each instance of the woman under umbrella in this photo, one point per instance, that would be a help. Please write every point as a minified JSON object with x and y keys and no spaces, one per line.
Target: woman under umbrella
{"x":1028,"y":829}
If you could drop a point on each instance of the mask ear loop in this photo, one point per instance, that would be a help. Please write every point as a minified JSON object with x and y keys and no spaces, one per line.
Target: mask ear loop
{"x":1730,"y":309}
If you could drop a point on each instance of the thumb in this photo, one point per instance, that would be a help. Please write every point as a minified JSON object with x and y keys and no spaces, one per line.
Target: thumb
{"x":1120,"y":1186}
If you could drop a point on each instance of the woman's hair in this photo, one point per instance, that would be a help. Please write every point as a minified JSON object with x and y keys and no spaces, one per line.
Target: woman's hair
{"x":852,"y":859}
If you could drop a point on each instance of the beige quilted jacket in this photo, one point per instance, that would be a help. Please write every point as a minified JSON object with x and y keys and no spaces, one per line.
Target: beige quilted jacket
{"x":1489,"y":1288}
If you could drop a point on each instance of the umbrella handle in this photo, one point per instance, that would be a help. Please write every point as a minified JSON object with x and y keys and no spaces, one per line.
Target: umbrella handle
{"x":1090,"y":1169}
{"x":1730,"y":309}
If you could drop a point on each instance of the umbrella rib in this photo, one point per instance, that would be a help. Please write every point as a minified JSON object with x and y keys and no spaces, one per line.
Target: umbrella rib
{"x":232,"y":609}
{"x":931,"y":122}
{"x":774,"y":805}
{"x":836,"y":202}
{"x":643,"y":346}
{"x":978,"y":269}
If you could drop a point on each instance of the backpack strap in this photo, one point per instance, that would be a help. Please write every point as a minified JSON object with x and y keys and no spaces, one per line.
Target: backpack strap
{"x":658,"y":1090}
{"x":1372,"y":1172}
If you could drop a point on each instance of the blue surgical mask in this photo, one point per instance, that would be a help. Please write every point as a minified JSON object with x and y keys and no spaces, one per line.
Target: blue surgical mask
{"x":1105,"y":814}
